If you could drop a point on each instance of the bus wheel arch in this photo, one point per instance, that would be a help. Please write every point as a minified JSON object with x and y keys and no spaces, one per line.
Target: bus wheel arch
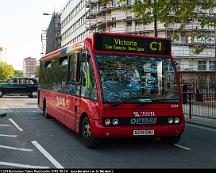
{"x":80,"y":122}
{"x":88,"y":138}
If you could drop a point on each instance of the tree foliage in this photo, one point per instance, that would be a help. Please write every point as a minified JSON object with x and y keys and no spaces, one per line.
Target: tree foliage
{"x":18,"y":73}
{"x":6,"y":71}
{"x":37,"y":71}
{"x":181,"y":12}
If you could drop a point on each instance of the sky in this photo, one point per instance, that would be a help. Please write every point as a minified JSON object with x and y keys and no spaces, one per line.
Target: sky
{"x":21,"y":25}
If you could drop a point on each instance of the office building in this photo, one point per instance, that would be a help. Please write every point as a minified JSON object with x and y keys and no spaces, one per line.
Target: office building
{"x":80,"y":18}
{"x":29,"y":67}
{"x":52,"y":35}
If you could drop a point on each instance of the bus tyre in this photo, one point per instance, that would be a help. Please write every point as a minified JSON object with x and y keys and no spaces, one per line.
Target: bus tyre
{"x":1,"y":94}
{"x":171,"y":139}
{"x":88,"y":139}
{"x":46,"y":115}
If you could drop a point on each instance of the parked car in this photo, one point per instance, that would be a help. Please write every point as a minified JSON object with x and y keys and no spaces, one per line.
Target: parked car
{"x":19,"y":86}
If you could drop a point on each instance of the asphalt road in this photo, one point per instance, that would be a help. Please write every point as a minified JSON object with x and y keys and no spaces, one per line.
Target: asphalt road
{"x":28,"y":140}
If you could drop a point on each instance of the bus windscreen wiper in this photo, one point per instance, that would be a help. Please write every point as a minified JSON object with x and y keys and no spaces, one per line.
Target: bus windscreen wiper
{"x":165,"y":100}
{"x":147,"y":100}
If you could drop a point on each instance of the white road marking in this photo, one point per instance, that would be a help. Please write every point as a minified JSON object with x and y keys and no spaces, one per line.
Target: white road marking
{"x":18,"y":165}
{"x":47,"y":155}
{"x":10,"y":136}
{"x":4,"y":125}
{"x":180,"y":146}
{"x":15,"y":124}
{"x":13,"y":148}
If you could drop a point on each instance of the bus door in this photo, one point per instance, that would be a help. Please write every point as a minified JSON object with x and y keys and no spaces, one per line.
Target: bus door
{"x":88,"y":90}
{"x":72,"y":92}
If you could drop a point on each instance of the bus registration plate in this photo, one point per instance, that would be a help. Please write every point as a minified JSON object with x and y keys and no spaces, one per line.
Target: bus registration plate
{"x":143,"y":132}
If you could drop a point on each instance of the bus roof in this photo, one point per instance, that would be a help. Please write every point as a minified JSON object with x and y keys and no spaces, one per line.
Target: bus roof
{"x":63,"y":51}
{"x":117,"y":42}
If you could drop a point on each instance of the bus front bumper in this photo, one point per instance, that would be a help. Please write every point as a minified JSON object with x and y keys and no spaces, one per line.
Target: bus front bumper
{"x":154,"y":131}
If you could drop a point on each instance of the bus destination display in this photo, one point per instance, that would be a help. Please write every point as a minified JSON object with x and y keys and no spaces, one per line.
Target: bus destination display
{"x":132,"y":44}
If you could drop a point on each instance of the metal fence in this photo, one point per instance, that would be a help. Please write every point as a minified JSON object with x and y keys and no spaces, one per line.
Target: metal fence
{"x":199,"y":100}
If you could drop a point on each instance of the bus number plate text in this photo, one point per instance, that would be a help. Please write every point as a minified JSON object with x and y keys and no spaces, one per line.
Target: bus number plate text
{"x":143,"y":132}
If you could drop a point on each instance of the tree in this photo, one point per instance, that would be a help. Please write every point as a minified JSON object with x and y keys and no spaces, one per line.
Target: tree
{"x":18,"y":73}
{"x":180,"y":12}
{"x":37,"y":71}
{"x":6,"y":71}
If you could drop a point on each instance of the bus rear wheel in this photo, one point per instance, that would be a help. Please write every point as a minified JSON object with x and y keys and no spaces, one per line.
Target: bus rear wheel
{"x":88,"y":138}
{"x":171,"y":139}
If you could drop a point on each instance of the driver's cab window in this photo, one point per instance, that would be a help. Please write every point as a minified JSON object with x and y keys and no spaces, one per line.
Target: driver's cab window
{"x":88,"y":88}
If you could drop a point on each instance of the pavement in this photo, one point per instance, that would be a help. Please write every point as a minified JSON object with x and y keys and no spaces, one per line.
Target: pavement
{"x":201,"y":121}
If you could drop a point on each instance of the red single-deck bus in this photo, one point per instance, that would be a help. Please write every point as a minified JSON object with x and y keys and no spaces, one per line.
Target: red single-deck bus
{"x":113,"y":86}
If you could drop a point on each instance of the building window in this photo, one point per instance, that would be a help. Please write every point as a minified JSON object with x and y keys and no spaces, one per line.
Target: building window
{"x":113,"y":21}
{"x":138,"y":22}
{"x":129,"y":2}
{"x":211,"y":65}
{"x":201,"y":65}
{"x":114,"y":2}
{"x":129,"y":23}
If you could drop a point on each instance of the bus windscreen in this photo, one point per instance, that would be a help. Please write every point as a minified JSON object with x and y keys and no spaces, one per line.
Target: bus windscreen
{"x":137,"y":79}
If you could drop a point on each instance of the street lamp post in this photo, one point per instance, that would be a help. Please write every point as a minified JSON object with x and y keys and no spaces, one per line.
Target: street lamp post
{"x":43,"y":37}
{"x":215,"y":61}
{"x":155,"y":21}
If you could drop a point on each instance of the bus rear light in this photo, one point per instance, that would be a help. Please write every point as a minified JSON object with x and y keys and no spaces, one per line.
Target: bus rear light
{"x":115,"y":122}
{"x":107,"y":122}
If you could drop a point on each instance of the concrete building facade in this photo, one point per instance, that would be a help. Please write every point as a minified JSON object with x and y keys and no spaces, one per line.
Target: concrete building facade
{"x":53,"y":39}
{"x":29,"y":67}
{"x":80,"y":18}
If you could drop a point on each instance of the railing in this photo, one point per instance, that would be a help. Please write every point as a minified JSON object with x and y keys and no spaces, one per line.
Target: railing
{"x":199,"y":100}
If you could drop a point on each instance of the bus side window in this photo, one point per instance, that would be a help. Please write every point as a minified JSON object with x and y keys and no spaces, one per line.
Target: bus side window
{"x":72,"y":84}
{"x":88,"y":82}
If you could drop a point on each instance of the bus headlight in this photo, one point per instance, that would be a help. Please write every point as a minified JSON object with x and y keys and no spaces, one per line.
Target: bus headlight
{"x":107,"y":122}
{"x":170,"y":120}
{"x":177,"y":120}
{"x":115,"y":122}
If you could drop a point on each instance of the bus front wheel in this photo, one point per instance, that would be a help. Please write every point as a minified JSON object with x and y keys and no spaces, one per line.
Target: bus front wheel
{"x":88,"y":138}
{"x":171,"y":139}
